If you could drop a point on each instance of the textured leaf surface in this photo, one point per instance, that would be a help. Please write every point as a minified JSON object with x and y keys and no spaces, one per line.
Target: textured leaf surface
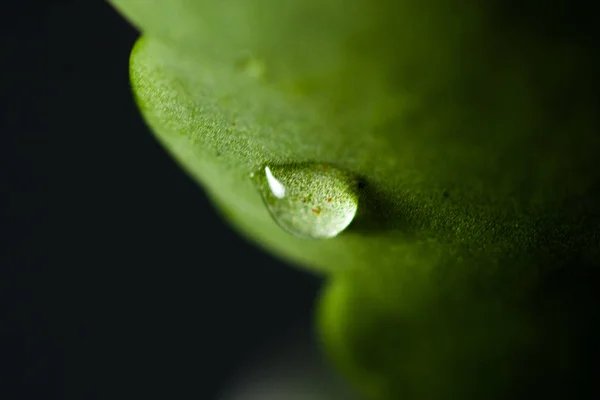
{"x":480,"y":178}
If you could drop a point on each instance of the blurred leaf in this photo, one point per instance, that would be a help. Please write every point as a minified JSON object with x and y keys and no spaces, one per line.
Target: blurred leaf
{"x":475,"y":137}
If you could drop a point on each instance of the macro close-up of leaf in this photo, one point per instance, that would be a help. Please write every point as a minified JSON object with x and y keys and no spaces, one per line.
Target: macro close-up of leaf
{"x":441,"y":166}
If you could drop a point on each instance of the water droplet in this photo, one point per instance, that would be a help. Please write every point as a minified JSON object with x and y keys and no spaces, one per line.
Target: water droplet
{"x":252,"y":66}
{"x":308,"y":200}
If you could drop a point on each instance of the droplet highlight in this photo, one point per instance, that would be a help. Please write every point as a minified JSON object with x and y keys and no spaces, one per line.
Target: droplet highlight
{"x":314,"y":201}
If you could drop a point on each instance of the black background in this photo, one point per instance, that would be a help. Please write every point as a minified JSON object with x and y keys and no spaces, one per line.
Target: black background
{"x":117,"y":277}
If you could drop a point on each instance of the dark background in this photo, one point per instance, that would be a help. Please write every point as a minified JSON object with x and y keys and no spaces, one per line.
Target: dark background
{"x":117,"y":277}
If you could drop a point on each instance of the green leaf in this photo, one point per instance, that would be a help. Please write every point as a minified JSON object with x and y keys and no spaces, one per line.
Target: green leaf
{"x":475,"y":137}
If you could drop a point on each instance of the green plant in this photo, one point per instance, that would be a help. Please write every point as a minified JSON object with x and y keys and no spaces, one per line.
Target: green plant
{"x":470,"y":268}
